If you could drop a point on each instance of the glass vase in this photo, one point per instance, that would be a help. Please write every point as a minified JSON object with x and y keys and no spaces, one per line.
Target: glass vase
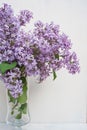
{"x":18,"y":110}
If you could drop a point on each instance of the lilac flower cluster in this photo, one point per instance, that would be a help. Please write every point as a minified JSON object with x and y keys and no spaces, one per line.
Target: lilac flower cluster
{"x":23,"y":54}
{"x":9,"y":28}
{"x":52,"y":50}
{"x":25,"y":17}
{"x":13,"y":82}
{"x":41,"y":52}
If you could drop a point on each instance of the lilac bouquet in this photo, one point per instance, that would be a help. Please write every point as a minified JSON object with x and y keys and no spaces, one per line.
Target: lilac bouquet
{"x":40,"y":52}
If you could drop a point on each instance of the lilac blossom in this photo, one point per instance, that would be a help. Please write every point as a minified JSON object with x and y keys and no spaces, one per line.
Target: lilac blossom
{"x":13,"y":82}
{"x":25,"y":17}
{"x":23,"y":54}
{"x":54,"y":49}
{"x":38,"y":52}
{"x":9,"y":30}
{"x":72,"y":64}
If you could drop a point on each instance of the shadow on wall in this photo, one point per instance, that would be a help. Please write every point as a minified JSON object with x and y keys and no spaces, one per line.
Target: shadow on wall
{"x":3,"y":102}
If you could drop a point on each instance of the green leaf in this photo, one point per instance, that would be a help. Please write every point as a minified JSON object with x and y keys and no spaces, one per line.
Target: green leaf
{"x":4,"y":66}
{"x":57,"y":56}
{"x":19,"y":116}
{"x":23,"y":98}
{"x":54,"y":75}
{"x":22,"y":68}
{"x":24,"y":80}
{"x":23,"y":108}
{"x":12,"y":112}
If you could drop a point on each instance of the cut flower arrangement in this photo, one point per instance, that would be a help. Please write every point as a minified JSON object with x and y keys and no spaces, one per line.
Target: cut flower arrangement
{"x":38,"y":52}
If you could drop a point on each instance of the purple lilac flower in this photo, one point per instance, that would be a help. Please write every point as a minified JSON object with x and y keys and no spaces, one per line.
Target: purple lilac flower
{"x":23,"y":54}
{"x":9,"y":30}
{"x":24,"y":17}
{"x":72,"y":64}
{"x":40,"y":52}
{"x":54,"y":49}
{"x":13,"y":82}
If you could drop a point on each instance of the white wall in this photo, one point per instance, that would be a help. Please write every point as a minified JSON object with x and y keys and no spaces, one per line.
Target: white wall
{"x":63,"y":100}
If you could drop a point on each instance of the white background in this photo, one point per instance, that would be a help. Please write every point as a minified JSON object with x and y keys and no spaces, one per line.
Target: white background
{"x":62,"y":100}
